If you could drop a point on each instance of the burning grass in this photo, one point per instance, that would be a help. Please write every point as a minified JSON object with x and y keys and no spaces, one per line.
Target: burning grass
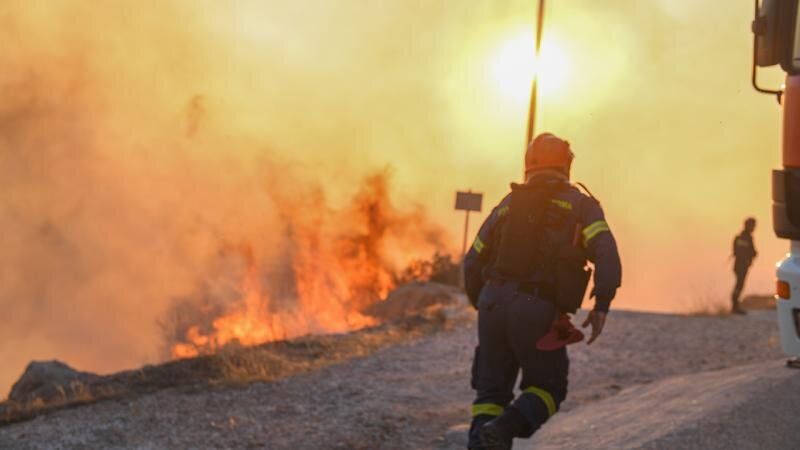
{"x":297,"y":302}
{"x":234,"y":367}
{"x":324,"y":268}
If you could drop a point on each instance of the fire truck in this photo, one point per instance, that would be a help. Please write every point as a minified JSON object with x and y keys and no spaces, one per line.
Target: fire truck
{"x":777,"y":43}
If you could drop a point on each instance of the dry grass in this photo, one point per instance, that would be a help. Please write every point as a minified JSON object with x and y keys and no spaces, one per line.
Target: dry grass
{"x":283,"y":359}
{"x":235,"y":367}
{"x":757,"y":302}
{"x":707,"y":306}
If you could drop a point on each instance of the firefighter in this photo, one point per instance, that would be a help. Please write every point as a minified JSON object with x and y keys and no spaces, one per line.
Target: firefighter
{"x":512,"y":278}
{"x":743,"y":252}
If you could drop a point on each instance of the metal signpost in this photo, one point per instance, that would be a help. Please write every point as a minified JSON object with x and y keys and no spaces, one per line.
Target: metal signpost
{"x":468,"y":201}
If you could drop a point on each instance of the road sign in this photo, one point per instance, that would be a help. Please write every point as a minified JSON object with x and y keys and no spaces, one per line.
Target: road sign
{"x":469,"y":201}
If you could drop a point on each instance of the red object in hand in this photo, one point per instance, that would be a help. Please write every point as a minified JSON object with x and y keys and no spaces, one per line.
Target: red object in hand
{"x":561,"y":334}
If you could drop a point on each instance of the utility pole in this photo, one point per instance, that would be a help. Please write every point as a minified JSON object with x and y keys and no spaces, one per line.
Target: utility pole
{"x":534,"y":88}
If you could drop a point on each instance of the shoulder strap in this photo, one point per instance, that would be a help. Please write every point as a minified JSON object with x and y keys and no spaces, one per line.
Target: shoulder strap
{"x":587,"y":191}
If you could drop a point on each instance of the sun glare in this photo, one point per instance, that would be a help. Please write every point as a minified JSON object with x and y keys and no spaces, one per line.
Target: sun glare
{"x":513,"y":65}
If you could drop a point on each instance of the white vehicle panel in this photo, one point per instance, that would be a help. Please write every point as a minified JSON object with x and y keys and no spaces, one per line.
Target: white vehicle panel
{"x":789,"y":309}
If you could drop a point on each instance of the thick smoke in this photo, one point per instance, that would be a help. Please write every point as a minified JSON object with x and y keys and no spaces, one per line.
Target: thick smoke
{"x":148,"y":154}
{"x":145,"y":148}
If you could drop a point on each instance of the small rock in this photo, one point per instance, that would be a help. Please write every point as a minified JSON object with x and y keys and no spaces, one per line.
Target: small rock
{"x":50,"y":381}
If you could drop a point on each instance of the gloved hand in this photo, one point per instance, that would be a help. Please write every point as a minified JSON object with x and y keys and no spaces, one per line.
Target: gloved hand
{"x":597,"y":319}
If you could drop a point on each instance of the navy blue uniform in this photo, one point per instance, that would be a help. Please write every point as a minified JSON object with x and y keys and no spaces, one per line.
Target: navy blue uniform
{"x":514,"y":314}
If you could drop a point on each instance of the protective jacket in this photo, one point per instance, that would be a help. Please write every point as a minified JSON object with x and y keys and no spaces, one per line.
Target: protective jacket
{"x":570,"y":216}
{"x":510,"y":274}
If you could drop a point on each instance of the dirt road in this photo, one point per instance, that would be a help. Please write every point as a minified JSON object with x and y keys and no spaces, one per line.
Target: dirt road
{"x":406,"y":396}
{"x":746,"y":407}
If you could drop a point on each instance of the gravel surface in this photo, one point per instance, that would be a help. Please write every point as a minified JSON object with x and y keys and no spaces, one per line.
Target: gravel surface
{"x":746,"y":407}
{"x":406,"y":396}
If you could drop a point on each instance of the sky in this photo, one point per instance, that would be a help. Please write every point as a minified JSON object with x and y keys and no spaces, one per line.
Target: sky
{"x":135,"y":137}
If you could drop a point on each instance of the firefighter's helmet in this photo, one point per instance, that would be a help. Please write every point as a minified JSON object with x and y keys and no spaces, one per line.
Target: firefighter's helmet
{"x":547,"y":151}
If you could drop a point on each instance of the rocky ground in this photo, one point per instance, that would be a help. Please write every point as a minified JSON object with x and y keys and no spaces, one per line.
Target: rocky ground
{"x":411,"y":395}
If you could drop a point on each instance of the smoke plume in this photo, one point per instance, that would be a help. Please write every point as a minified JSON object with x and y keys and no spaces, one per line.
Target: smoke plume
{"x":167,"y":161}
{"x":179,"y":163}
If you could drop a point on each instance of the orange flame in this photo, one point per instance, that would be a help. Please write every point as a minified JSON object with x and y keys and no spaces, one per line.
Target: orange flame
{"x":330,"y":276}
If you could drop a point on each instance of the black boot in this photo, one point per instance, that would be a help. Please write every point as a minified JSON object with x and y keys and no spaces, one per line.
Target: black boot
{"x":498,"y":433}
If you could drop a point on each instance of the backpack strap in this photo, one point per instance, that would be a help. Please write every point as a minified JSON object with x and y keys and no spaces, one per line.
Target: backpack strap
{"x":587,"y":191}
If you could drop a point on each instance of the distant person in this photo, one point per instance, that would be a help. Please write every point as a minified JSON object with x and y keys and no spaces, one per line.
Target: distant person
{"x":524,"y":270}
{"x":743,"y":253}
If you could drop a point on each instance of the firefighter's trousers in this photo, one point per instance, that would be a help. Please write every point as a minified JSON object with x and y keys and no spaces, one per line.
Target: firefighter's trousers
{"x":509,"y":324}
